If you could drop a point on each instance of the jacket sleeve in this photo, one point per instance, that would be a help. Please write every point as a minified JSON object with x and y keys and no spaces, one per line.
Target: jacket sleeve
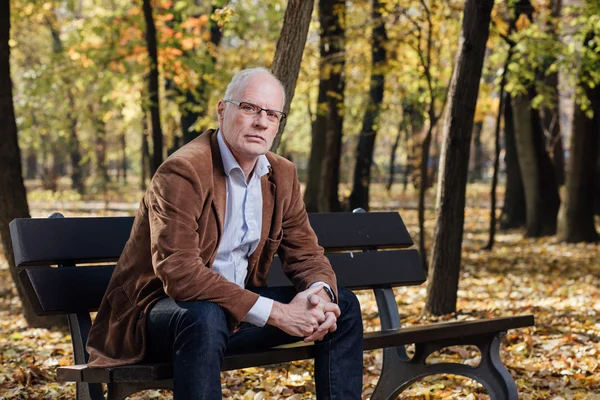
{"x":175,"y":203}
{"x":302,"y":258}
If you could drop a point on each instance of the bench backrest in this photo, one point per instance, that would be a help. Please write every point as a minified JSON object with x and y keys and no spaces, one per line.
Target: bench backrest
{"x":70,"y":242}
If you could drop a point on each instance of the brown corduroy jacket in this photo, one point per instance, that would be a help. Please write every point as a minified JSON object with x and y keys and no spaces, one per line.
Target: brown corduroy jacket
{"x":174,"y":241}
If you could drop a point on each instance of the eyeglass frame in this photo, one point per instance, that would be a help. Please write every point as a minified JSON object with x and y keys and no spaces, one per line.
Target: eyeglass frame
{"x":238,"y":104}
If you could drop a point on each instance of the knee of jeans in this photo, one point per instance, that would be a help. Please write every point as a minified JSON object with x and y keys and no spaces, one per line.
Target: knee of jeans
{"x":348,"y":303}
{"x":204,"y":321}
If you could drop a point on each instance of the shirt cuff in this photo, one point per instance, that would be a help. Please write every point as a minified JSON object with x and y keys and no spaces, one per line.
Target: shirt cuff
{"x":260,"y":312}
{"x":321,"y":283}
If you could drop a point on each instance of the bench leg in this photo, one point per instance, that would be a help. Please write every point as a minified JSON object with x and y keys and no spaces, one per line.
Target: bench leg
{"x":119,"y":391}
{"x":397,"y":374}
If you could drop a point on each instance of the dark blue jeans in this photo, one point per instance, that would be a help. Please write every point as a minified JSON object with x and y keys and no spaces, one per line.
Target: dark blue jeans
{"x":194,"y":336}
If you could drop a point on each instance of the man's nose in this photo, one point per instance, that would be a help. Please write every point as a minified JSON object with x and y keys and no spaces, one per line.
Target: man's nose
{"x":261,"y":119}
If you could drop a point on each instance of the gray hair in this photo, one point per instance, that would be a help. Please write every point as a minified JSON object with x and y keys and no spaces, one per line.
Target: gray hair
{"x":239,"y":81}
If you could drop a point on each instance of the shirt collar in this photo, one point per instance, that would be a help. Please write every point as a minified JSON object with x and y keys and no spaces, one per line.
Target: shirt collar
{"x":230,"y":163}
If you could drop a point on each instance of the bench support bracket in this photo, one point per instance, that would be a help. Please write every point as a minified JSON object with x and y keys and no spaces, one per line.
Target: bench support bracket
{"x":399,"y":370}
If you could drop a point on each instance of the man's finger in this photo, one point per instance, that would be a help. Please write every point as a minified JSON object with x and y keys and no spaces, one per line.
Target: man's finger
{"x":323,"y":329}
{"x":313,"y":290}
{"x":314,"y":299}
{"x":317,"y":335}
{"x":330,"y":319}
{"x":332,"y":307}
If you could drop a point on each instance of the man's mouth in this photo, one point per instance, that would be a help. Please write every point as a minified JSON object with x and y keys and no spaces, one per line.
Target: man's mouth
{"x":256,"y":137}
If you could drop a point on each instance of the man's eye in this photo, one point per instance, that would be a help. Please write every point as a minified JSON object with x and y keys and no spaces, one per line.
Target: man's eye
{"x":272,"y":115}
{"x":248,"y":107}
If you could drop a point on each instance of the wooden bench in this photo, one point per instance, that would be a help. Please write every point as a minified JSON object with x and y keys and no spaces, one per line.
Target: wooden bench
{"x":354,"y":244}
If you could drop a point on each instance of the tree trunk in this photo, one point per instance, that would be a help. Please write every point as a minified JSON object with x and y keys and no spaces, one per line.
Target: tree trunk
{"x":49,"y":172}
{"x":416,"y":123}
{"x":477,"y":171}
{"x":152,"y":78}
{"x":145,"y":150}
{"x":541,"y":192}
{"x":597,"y":179}
{"x":502,"y":96}
{"x":392,"y":169}
{"x":124,"y":158}
{"x":576,"y":217}
{"x":77,"y":178}
{"x":366,"y":142}
{"x":13,"y":198}
{"x":102,"y":176}
{"x":318,"y":142}
{"x":452,"y":179}
{"x":332,"y":15}
{"x":423,"y":185}
{"x":550,"y":116}
{"x":288,"y":53}
{"x":31,"y":164}
{"x":513,"y":211}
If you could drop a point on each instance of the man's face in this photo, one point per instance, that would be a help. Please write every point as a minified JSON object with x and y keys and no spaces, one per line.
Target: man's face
{"x":249,"y":136}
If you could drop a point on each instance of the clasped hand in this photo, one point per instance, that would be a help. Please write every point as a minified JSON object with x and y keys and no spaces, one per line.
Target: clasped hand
{"x":308,"y":315}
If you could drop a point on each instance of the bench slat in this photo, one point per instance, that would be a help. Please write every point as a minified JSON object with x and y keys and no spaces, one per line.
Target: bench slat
{"x":79,"y":289}
{"x":372,"y":340}
{"x":45,"y":241}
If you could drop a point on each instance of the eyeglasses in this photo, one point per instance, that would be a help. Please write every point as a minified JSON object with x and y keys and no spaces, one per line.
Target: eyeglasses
{"x":253,"y":110}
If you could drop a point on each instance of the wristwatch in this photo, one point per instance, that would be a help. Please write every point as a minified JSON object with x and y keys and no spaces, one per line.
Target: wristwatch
{"x":329,"y":293}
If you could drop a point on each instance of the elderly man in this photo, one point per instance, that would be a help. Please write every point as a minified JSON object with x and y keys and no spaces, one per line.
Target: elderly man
{"x":190,"y":284}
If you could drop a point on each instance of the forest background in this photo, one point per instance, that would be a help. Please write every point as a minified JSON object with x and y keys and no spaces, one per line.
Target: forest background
{"x":390,"y":110}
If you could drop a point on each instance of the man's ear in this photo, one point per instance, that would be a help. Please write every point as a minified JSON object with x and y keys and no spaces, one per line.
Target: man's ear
{"x":220,"y":110}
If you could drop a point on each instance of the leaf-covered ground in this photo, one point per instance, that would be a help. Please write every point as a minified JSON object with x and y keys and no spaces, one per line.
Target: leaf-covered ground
{"x":556,"y":359}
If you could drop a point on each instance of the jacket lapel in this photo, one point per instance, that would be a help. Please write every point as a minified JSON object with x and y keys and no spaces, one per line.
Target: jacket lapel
{"x":219,"y":183}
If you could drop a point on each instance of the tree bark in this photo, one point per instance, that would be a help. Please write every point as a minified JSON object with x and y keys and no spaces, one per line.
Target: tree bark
{"x":452,"y":179}
{"x":124,"y":162}
{"x":366,"y":141}
{"x":597,"y":179}
{"x":288,"y":53}
{"x":145,"y":151}
{"x":13,"y":198}
{"x":477,"y":171}
{"x":541,"y":192}
{"x":550,"y":116}
{"x":152,"y":80}
{"x":332,"y":16}
{"x":31,"y":164}
{"x":502,"y":96}
{"x":102,"y":176}
{"x":318,"y":142}
{"x":77,"y":176}
{"x":513,"y":210}
{"x":413,"y":110}
{"x":576,"y":216}
{"x":392,"y":167}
